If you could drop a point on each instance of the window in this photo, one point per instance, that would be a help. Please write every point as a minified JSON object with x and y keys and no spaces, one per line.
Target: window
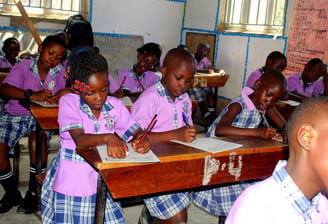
{"x":54,"y":9}
{"x":252,"y":16}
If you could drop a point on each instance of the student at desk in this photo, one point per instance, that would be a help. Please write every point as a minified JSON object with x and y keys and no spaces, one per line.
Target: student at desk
{"x":242,"y":117}
{"x":88,"y":118}
{"x":167,"y":99}
{"x":11,"y":48}
{"x":298,"y":188}
{"x":313,"y":81}
{"x":133,"y":81}
{"x":40,"y":79}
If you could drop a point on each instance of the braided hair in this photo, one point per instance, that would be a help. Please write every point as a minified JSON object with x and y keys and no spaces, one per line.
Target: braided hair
{"x":82,"y":63}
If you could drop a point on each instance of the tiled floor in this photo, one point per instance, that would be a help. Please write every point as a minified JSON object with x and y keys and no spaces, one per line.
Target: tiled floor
{"x":195,"y":215}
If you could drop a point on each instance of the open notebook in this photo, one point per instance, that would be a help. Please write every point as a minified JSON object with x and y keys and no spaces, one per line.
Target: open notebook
{"x":131,"y":157}
{"x":44,"y":104}
{"x":210,"y":144}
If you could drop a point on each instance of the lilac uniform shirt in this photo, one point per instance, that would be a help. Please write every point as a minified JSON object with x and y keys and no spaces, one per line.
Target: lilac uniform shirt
{"x":278,"y":201}
{"x":254,"y":76}
{"x":79,"y":178}
{"x":4,"y":63}
{"x":203,"y":64}
{"x":131,"y":83}
{"x":295,"y":82}
{"x":113,"y":86}
{"x":25,"y":76}
{"x":155,"y":100}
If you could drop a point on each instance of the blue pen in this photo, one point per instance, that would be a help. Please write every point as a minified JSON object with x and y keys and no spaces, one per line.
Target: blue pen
{"x":185,"y":119}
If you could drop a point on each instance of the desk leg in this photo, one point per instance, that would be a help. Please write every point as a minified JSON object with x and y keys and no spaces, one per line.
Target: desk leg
{"x":38,"y":148}
{"x":100,"y":201}
{"x":215,"y":100}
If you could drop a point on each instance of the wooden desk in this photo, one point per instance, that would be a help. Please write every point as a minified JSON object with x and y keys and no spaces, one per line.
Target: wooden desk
{"x":182,"y":167}
{"x":3,"y":75}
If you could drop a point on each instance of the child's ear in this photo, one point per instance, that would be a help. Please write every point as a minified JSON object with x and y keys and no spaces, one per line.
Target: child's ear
{"x":164,"y":71}
{"x":257,"y":84}
{"x":305,"y":136}
{"x":40,"y":49}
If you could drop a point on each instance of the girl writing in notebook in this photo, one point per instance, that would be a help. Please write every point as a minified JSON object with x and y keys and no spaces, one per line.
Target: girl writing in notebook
{"x":88,"y":118}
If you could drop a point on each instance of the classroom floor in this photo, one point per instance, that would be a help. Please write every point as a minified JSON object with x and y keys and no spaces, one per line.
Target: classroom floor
{"x":132,"y":212}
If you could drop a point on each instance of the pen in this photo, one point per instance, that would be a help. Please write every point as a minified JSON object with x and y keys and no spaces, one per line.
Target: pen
{"x":143,"y":88}
{"x":185,"y":119}
{"x":122,"y":82}
{"x":148,"y":128}
{"x":265,"y":121}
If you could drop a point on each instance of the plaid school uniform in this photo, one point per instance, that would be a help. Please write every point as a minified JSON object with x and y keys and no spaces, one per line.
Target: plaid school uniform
{"x":69,"y":197}
{"x":155,"y":100}
{"x":218,"y":201}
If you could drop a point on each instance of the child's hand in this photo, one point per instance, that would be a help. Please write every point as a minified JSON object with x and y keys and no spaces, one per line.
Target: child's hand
{"x":142,"y":147}
{"x":267,"y":133}
{"x":186,"y":134}
{"x":116,"y":148}
{"x":119,"y":93}
{"x":42,"y":95}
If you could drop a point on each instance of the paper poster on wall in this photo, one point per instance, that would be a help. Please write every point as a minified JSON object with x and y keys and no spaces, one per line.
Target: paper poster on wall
{"x":308,"y":34}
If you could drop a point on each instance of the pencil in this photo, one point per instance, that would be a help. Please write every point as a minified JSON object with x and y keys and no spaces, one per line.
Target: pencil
{"x":122,"y":82}
{"x":143,"y":88}
{"x":148,"y":128}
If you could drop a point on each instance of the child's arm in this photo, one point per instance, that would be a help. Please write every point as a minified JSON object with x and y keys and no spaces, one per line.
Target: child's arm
{"x":140,"y":147}
{"x":279,"y":120}
{"x":12,"y":92}
{"x":55,"y":98}
{"x":185,"y":134}
{"x":116,"y":148}
{"x":224,"y":127}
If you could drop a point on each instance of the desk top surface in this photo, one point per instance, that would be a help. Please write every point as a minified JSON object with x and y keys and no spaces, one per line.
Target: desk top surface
{"x":209,"y":80}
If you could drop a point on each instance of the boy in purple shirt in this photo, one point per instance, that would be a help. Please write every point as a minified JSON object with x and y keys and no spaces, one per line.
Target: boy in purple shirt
{"x":40,"y":79}
{"x":11,"y":48}
{"x":88,"y":118}
{"x":275,"y":60}
{"x":133,"y":81}
{"x":297,"y":190}
{"x":167,"y":99}
{"x":310,"y":83}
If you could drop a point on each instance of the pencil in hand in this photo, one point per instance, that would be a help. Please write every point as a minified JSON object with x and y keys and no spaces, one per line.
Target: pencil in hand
{"x":148,"y":128}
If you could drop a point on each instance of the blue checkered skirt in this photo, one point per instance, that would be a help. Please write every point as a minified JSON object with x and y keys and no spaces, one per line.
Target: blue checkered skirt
{"x":60,"y":208}
{"x":166,"y":206}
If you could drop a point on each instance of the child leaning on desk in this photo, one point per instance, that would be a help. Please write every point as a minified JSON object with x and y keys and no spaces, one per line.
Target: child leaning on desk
{"x":41,"y":79}
{"x":86,"y":119}
{"x":169,"y":100}
{"x":298,"y":188}
{"x":133,"y":81}
{"x":242,"y":117}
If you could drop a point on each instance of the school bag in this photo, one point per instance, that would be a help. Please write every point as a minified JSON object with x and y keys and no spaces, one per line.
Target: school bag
{"x":79,"y":32}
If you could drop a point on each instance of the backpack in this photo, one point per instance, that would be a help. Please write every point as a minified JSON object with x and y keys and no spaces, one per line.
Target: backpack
{"x":79,"y":32}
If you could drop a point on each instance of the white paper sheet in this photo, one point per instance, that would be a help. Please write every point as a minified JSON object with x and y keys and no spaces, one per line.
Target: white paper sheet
{"x":44,"y":104}
{"x":126,"y":101}
{"x":210,"y":144}
{"x":290,"y":102}
{"x":131,"y":157}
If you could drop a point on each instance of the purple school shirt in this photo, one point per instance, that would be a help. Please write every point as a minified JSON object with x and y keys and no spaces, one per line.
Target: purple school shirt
{"x":4,"y":63}
{"x":155,"y":100}
{"x":254,"y":76}
{"x":25,"y":76}
{"x":295,"y":82}
{"x":203,"y":64}
{"x":131,"y":83}
{"x":78,"y":178}
{"x":113,"y":86}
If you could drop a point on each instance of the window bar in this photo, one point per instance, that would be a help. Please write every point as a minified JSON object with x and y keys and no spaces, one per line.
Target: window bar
{"x":274,"y":12}
{"x":71,"y":5}
{"x":258,"y":12}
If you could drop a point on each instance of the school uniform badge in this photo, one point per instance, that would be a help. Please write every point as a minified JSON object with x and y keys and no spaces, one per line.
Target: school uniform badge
{"x":52,"y":85}
{"x":110,"y":122}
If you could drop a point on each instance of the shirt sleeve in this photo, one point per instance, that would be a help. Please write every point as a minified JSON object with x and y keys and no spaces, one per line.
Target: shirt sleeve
{"x":143,"y":110}
{"x":15,"y":77}
{"x":69,"y":113}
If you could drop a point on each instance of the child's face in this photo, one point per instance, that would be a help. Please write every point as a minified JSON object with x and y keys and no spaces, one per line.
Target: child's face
{"x":51,"y":55}
{"x":267,"y":94}
{"x":98,"y":84}
{"x":203,"y":50}
{"x":146,"y":62}
{"x":177,"y":78}
{"x":11,"y":50}
{"x":312,"y":73}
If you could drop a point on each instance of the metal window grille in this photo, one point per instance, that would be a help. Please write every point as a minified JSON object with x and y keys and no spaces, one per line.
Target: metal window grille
{"x":264,"y":16}
{"x":48,"y":8}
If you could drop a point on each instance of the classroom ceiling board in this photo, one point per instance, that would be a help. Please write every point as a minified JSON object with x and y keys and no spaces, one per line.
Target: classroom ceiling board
{"x":308,"y":34}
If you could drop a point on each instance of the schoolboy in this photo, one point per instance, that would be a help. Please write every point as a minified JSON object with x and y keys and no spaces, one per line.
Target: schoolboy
{"x":242,"y":117}
{"x":297,"y":190}
{"x":40,"y":79}
{"x":275,"y":60}
{"x":10,"y":48}
{"x":167,"y":99}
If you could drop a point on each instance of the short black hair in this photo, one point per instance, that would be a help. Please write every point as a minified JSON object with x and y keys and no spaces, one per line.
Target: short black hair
{"x":178,"y":52}
{"x":314,"y":62}
{"x":153,"y":48}
{"x":276,"y":55}
{"x":9,"y":40}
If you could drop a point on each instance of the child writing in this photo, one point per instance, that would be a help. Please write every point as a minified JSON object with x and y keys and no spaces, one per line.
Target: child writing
{"x":10,"y":48}
{"x":87,"y":118}
{"x":167,"y":99}
{"x":135,"y":80}
{"x":310,"y":82}
{"x":41,"y":79}
{"x":275,"y":60}
{"x":204,"y":96}
{"x":242,"y":117}
{"x":297,"y":190}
